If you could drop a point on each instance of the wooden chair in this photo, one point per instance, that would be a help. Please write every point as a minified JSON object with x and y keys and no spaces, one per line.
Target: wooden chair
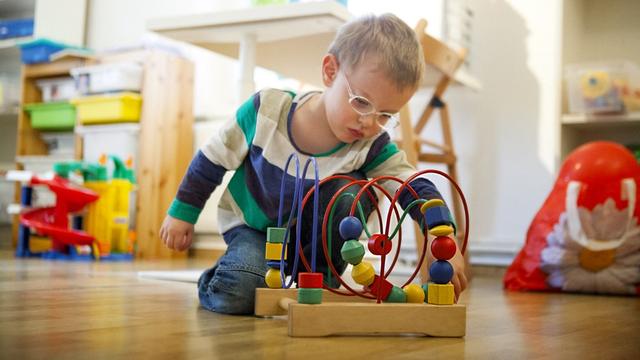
{"x":442,"y":62}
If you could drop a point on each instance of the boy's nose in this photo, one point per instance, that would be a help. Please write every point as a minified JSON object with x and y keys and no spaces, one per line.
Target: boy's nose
{"x":367,"y":120}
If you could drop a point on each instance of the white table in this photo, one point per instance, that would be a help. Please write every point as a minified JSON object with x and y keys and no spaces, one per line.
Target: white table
{"x":289,"y":39}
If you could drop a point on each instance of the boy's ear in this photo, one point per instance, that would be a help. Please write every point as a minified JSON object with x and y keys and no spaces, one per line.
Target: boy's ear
{"x":330,"y":69}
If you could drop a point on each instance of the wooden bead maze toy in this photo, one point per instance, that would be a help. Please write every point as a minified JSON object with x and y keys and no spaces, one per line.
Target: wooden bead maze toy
{"x":380,"y":307}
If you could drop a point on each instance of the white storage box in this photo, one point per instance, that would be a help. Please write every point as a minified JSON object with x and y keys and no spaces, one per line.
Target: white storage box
{"x":57,"y":89}
{"x":609,"y":87}
{"x":108,"y":78}
{"x":60,"y":143}
{"x":120,"y":140}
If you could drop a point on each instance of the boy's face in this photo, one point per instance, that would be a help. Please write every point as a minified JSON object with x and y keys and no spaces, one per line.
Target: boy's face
{"x":347,"y":96}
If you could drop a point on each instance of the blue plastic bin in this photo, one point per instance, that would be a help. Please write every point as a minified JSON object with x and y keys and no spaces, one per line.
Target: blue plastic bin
{"x":39,"y":50}
{"x":13,"y":28}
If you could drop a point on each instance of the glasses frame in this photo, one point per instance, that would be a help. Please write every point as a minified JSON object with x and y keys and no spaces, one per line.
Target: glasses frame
{"x":392,"y":119}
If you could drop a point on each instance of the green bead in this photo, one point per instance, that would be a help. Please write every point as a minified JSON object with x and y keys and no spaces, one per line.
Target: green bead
{"x":276,"y":234}
{"x":352,"y":252}
{"x":310,"y":296}
{"x":425,"y":287}
{"x":397,"y":295}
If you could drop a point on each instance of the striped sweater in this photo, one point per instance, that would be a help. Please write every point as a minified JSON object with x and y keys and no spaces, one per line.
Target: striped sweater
{"x":257,"y":145}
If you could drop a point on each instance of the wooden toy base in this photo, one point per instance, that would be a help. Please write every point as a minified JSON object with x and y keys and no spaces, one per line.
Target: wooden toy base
{"x":355,"y":316}
{"x":268,"y":301}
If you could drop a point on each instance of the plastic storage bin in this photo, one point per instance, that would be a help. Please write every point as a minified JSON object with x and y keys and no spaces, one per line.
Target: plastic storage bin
{"x":108,"y":78}
{"x":60,"y":143}
{"x":111,"y":108}
{"x":602,"y":87}
{"x":13,"y":28}
{"x":57,"y":89}
{"x":39,"y":50}
{"x":52,"y":116}
{"x":120,"y":140}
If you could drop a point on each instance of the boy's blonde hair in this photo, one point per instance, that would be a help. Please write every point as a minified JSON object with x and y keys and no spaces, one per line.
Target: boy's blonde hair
{"x":386,"y":39}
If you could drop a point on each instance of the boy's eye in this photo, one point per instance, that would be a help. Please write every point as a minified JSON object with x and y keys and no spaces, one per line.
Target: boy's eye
{"x":361,"y":102}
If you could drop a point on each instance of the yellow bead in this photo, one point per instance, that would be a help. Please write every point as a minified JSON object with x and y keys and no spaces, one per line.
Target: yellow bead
{"x":441,"y":230}
{"x":431,"y":203}
{"x":363,"y":273}
{"x":415,"y":293}
{"x":273,"y":251}
{"x":272,"y":279}
{"x":440,"y":294}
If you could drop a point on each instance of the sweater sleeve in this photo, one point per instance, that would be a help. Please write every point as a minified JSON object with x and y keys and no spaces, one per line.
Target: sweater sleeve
{"x":224,"y":151}
{"x":384,"y":158}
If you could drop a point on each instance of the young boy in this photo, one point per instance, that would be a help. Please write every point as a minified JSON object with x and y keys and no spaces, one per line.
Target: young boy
{"x":371,"y":70}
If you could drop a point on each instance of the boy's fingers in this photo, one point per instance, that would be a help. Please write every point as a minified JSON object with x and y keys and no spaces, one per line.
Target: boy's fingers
{"x":170,"y":241}
{"x":463,"y":282}
{"x":183,"y":244}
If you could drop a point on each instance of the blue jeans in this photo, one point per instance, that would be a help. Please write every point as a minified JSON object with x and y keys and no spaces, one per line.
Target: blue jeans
{"x":229,"y":286}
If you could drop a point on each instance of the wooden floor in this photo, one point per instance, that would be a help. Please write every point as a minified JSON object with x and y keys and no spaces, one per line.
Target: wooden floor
{"x":55,"y":310}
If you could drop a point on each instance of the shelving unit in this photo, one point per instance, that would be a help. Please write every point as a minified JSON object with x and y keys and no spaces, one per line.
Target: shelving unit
{"x":165,"y":143}
{"x":598,"y":31}
{"x":10,"y":72}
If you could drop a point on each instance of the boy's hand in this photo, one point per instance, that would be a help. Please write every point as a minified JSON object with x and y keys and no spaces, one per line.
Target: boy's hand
{"x":459,"y":279}
{"x":176,"y":234}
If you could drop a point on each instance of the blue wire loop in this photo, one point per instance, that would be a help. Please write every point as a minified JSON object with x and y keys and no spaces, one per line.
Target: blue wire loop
{"x":296,"y":207}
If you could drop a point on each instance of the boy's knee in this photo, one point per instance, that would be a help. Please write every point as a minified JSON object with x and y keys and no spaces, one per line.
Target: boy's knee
{"x":230,"y":289}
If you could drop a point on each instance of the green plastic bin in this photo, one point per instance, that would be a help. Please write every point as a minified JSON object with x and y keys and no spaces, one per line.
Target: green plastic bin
{"x":52,"y":116}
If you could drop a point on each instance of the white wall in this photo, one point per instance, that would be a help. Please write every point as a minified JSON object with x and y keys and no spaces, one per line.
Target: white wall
{"x":122,"y":23}
{"x":506,"y":135}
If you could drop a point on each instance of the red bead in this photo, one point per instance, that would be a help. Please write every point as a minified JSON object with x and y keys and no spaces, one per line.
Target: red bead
{"x":385,"y":289}
{"x":308,"y":280}
{"x":443,"y":248}
{"x":379,"y":244}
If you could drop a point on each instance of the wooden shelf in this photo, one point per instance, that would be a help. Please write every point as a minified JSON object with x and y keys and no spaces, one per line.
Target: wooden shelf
{"x":582,"y":120}
{"x":13,"y":42}
{"x":165,"y":140}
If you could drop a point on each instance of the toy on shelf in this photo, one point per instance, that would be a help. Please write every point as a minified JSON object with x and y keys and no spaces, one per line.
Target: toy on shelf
{"x":380,"y":307}
{"x":106,"y":233}
{"x":611,"y":87}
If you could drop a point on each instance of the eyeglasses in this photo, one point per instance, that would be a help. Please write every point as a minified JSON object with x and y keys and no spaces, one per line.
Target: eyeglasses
{"x":363,"y":107}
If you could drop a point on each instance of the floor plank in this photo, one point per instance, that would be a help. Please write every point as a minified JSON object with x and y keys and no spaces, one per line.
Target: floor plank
{"x":52,"y":309}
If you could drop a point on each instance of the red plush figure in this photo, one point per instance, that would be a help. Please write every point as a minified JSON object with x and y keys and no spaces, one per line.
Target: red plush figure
{"x":586,"y":236}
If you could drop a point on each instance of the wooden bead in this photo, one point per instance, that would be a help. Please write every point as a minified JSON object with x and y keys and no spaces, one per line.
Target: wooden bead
{"x":352,"y":252}
{"x":396,"y":295}
{"x":384,"y":288}
{"x":441,"y":294}
{"x":276,"y":234}
{"x":431,"y":203}
{"x":441,"y":272}
{"x":414,"y":293}
{"x":379,"y":244}
{"x":272,"y":279}
{"x":309,"y":280}
{"x":275,"y":264}
{"x":425,"y":288}
{"x":443,"y":248}
{"x":273,"y":251}
{"x":363,"y":273}
{"x":436,"y":216}
{"x":442,"y":230}
{"x":309,"y":296}
{"x":350,"y":228}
